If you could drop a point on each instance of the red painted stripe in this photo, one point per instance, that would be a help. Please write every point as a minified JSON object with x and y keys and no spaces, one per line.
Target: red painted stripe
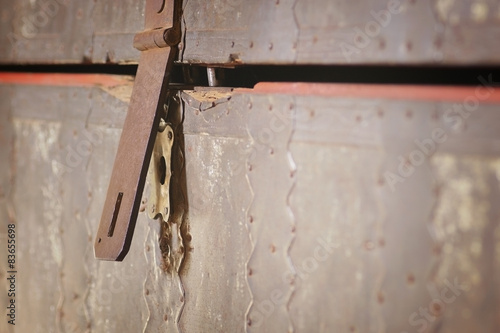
{"x":397,"y":92}
{"x":63,"y":79}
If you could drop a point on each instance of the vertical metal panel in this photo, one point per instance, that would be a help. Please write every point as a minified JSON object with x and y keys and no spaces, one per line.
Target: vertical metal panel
{"x":61,"y":285}
{"x":271,"y":174}
{"x":466,"y":228}
{"x":215,"y":280}
{"x":114,"y":291}
{"x":339,"y":216}
{"x":37,"y":143}
{"x":407,"y":215}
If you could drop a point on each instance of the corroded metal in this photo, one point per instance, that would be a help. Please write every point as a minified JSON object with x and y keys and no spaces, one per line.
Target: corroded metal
{"x":134,"y":152}
{"x":133,"y":157}
{"x":163,"y":285}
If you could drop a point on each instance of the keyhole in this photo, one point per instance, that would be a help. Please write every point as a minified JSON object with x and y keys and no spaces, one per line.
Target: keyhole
{"x":162,"y":170}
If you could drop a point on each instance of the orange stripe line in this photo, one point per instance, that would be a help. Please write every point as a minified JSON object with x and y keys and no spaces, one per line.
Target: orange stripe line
{"x":63,"y":79}
{"x":398,"y":92}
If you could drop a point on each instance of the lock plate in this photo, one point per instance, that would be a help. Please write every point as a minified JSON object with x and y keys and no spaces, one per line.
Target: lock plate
{"x":160,"y":172}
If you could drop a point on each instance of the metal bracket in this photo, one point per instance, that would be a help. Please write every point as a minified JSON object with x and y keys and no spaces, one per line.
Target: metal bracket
{"x":123,"y":199}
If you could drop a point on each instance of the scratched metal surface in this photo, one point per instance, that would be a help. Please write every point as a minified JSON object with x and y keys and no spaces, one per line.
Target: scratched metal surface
{"x":291,"y":222}
{"x":275,"y":32}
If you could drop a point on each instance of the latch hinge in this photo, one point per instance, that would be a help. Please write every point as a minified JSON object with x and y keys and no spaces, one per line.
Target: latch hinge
{"x":156,"y":38}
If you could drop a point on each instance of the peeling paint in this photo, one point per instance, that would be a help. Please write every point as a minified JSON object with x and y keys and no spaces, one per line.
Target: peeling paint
{"x":204,"y":100}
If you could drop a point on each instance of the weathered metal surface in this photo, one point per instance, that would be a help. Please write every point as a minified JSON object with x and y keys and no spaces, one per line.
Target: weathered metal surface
{"x":292,"y":219}
{"x":114,"y":25}
{"x":217,"y":294}
{"x":112,"y":285}
{"x":65,"y":144}
{"x":364,"y":256}
{"x":271,"y":273}
{"x":66,"y":31}
{"x":341,"y":32}
{"x":250,"y":32}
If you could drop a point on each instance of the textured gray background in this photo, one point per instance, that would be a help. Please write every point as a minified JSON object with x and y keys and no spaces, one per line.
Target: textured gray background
{"x":270,"y":177}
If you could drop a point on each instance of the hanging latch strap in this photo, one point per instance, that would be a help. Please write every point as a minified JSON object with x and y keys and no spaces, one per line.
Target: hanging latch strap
{"x":157,"y":45}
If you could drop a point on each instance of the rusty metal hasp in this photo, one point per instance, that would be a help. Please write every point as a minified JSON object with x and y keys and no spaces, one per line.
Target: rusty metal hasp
{"x":157,"y":45}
